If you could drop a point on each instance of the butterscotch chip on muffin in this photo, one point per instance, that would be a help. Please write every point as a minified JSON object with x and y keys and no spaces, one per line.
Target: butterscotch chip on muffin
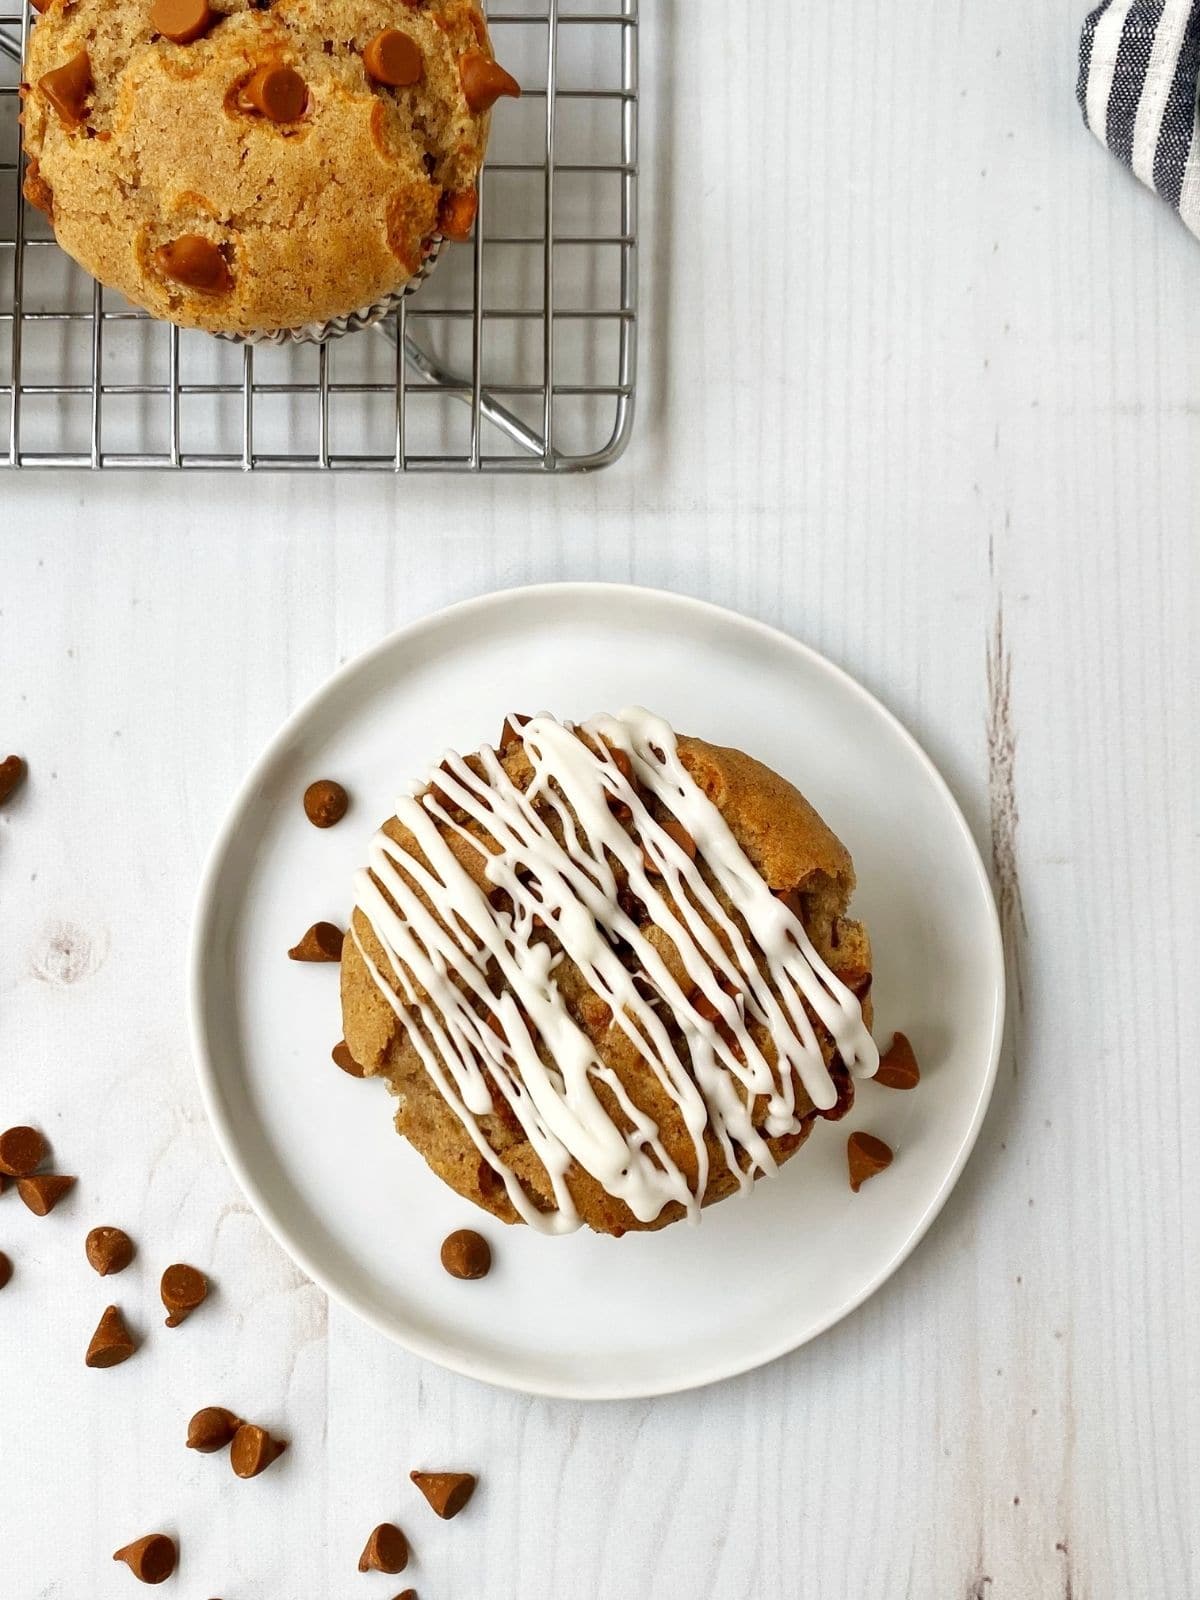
{"x":251,"y":166}
{"x":608,"y":973}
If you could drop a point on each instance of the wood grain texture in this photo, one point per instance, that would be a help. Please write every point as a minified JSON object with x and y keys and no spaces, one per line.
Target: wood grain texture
{"x":917,"y":357}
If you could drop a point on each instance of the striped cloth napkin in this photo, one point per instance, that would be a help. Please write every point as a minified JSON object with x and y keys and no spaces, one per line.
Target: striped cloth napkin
{"x":1139,"y":65}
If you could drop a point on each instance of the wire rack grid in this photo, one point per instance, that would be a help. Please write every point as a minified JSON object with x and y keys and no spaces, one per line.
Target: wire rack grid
{"x":517,"y":355}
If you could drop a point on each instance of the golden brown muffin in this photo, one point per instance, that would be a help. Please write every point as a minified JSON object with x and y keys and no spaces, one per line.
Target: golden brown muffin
{"x":780,"y":837}
{"x":268,"y":165}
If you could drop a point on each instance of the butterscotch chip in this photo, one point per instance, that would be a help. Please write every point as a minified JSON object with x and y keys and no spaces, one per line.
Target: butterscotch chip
{"x":325,"y":803}
{"x":510,"y":732}
{"x":211,"y":1429}
{"x":341,"y":1054}
{"x":865,"y":1156}
{"x":394,"y":58}
{"x":151,"y":1559}
{"x":276,"y":92}
{"x":112,"y":1341}
{"x":181,"y":21}
{"x":447,"y":1492}
{"x":67,"y":88}
{"x":253,"y":1450}
{"x":5,"y":1269}
{"x":182,"y":1289}
{"x":456,"y":215}
{"x":322,"y":942}
{"x":674,"y":830}
{"x":42,"y":1192}
{"x":12,"y":771}
{"x":109,"y":1250}
{"x":898,"y":1067}
{"x":467,"y":1254}
{"x":385,"y":1551}
{"x":485,"y":80}
{"x":407,"y":1594}
{"x":196,"y":263}
{"x":22,"y":1151}
{"x":856,"y":980}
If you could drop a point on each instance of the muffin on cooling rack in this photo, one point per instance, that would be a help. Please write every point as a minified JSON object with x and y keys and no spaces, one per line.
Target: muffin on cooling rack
{"x":607,"y":972}
{"x":253,"y":166}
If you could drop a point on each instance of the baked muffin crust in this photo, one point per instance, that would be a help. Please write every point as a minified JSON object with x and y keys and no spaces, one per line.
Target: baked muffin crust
{"x":147,"y":142}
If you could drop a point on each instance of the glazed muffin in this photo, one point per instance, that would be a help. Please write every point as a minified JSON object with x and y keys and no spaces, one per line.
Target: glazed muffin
{"x":260,"y":164}
{"x":607,"y":972}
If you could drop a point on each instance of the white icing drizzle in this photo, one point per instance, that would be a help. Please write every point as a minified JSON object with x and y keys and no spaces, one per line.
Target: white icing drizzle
{"x":440,"y":935}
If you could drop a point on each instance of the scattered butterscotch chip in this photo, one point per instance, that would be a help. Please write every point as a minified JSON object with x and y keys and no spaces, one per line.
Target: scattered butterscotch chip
{"x":253,"y":1450}
{"x":385,"y":1551}
{"x":341,"y":1054}
{"x":485,"y":80}
{"x":394,"y":58}
{"x":898,"y":1067}
{"x":866,"y":1155}
{"x":196,"y":263}
{"x":42,"y":1192}
{"x":12,"y":771}
{"x":457,"y":210}
{"x":22,"y":1151}
{"x":5,"y":1269}
{"x":276,"y":92}
{"x":447,"y":1492}
{"x":407,"y":1594}
{"x":322,"y":942}
{"x":112,"y":1341}
{"x":109,"y":1250}
{"x":151,"y":1559}
{"x":182,"y":1289}
{"x":325,"y":803}
{"x":211,"y":1429}
{"x":467,"y":1254}
{"x":68,"y":87}
{"x":182,"y":21}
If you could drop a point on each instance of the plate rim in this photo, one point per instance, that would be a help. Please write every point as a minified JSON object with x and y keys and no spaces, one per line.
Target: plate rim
{"x":205,"y":910}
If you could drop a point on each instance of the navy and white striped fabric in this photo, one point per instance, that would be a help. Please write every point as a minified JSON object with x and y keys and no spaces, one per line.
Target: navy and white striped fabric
{"x":1139,"y":66}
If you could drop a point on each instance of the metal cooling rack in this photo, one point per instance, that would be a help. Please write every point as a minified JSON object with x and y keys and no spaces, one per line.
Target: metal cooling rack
{"x":518,"y":354}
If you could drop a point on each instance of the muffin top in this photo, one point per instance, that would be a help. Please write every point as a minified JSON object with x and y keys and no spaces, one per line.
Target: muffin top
{"x":608,"y":973}
{"x":257,"y":164}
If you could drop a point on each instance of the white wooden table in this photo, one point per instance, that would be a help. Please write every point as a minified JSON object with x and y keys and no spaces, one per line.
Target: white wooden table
{"x":921,"y":384}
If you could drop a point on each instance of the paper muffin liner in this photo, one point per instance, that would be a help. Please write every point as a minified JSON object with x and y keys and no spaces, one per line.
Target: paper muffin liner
{"x":335,"y":327}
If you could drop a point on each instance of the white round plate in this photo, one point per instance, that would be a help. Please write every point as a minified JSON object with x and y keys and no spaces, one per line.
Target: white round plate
{"x":356,"y":1207}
